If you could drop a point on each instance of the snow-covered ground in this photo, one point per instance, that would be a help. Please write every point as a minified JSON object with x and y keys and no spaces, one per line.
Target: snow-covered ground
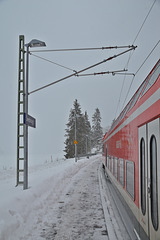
{"x":63,"y":202}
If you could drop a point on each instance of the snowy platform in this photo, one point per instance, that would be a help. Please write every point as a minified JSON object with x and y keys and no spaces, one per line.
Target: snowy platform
{"x":65,"y":201}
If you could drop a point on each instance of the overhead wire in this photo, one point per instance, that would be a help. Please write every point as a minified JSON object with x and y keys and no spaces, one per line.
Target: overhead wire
{"x":60,"y":65}
{"x":73,"y":49}
{"x":144,"y":21}
{"x":108,"y":72}
{"x":80,"y":71}
{"x":31,"y":52}
{"x":147,"y":57}
{"x":139,"y":70}
{"x":81,"y":49}
{"x":130,"y":55}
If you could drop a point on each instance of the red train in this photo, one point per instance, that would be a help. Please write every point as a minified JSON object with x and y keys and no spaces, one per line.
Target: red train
{"x":131,"y":150}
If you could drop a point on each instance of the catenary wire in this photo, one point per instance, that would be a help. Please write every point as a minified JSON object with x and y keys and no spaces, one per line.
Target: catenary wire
{"x":108,"y":72}
{"x":60,"y":65}
{"x":74,"y":49}
{"x":147,"y":57}
{"x":85,"y":69}
{"x":139,"y":69}
{"x":82,"y":49}
{"x":130,"y":55}
{"x":144,"y":22}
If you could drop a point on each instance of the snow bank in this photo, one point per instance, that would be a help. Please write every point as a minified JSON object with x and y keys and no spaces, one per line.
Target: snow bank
{"x":22,"y":210}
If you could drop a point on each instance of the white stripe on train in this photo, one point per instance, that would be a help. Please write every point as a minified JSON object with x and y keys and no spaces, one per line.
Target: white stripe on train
{"x":148,"y":103}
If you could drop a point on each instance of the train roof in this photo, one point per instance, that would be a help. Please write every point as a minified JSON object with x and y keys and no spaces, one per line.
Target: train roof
{"x":144,"y":87}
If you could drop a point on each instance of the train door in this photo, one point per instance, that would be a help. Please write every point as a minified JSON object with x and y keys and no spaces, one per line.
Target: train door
{"x":149,"y":156}
{"x":154,"y":178}
{"x":143,"y":179}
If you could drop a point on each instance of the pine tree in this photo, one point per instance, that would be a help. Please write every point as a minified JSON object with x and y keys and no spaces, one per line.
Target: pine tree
{"x":79,"y":127}
{"x":75,"y":115}
{"x":97,"y":133}
{"x":69,"y":146}
{"x":87,"y":132}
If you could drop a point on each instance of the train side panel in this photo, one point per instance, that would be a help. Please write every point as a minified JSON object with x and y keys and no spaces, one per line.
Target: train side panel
{"x":132,"y":155}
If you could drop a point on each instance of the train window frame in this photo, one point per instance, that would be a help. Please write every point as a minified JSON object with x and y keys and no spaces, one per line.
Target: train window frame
{"x":143,"y":175}
{"x":106,"y":156}
{"x":116,"y":167}
{"x":121,"y":171}
{"x":112,"y":165}
{"x":136,"y":96}
{"x":151,"y":79}
{"x":103,"y":148}
{"x":153,"y":183}
{"x":130,"y":179}
{"x":109,"y":163}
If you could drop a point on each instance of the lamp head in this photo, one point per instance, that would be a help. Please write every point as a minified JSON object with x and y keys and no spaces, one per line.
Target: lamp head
{"x":35,"y":43}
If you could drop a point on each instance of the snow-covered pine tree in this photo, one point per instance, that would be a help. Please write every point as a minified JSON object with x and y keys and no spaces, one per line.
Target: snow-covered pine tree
{"x":87,"y":132}
{"x":79,"y":129}
{"x":69,"y":146}
{"x":97,"y":132}
{"x":75,"y":115}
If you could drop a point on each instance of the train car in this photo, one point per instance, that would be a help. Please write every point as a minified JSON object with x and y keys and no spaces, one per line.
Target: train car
{"x":131,"y":156}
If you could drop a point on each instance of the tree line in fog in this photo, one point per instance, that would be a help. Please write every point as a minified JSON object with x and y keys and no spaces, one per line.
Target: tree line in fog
{"x":80,"y":131}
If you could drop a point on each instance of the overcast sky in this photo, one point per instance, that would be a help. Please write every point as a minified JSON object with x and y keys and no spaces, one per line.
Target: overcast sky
{"x":71,"y":24}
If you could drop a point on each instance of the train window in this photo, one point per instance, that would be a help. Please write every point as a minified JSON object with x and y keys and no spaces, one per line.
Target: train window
{"x":106,"y":157}
{"x":126,"y":109}
{"x":112,"y":165}
{"x":121,"y":171}
{"x":152,"y":78}
{"x":109,"y":162}
{"x":142,"y":176}
{"x":154,"y":187}
{"x":103,"y":148}
{"x":116,"y":168}
{"x":136,"y":96}
{"x":130,"y":178}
